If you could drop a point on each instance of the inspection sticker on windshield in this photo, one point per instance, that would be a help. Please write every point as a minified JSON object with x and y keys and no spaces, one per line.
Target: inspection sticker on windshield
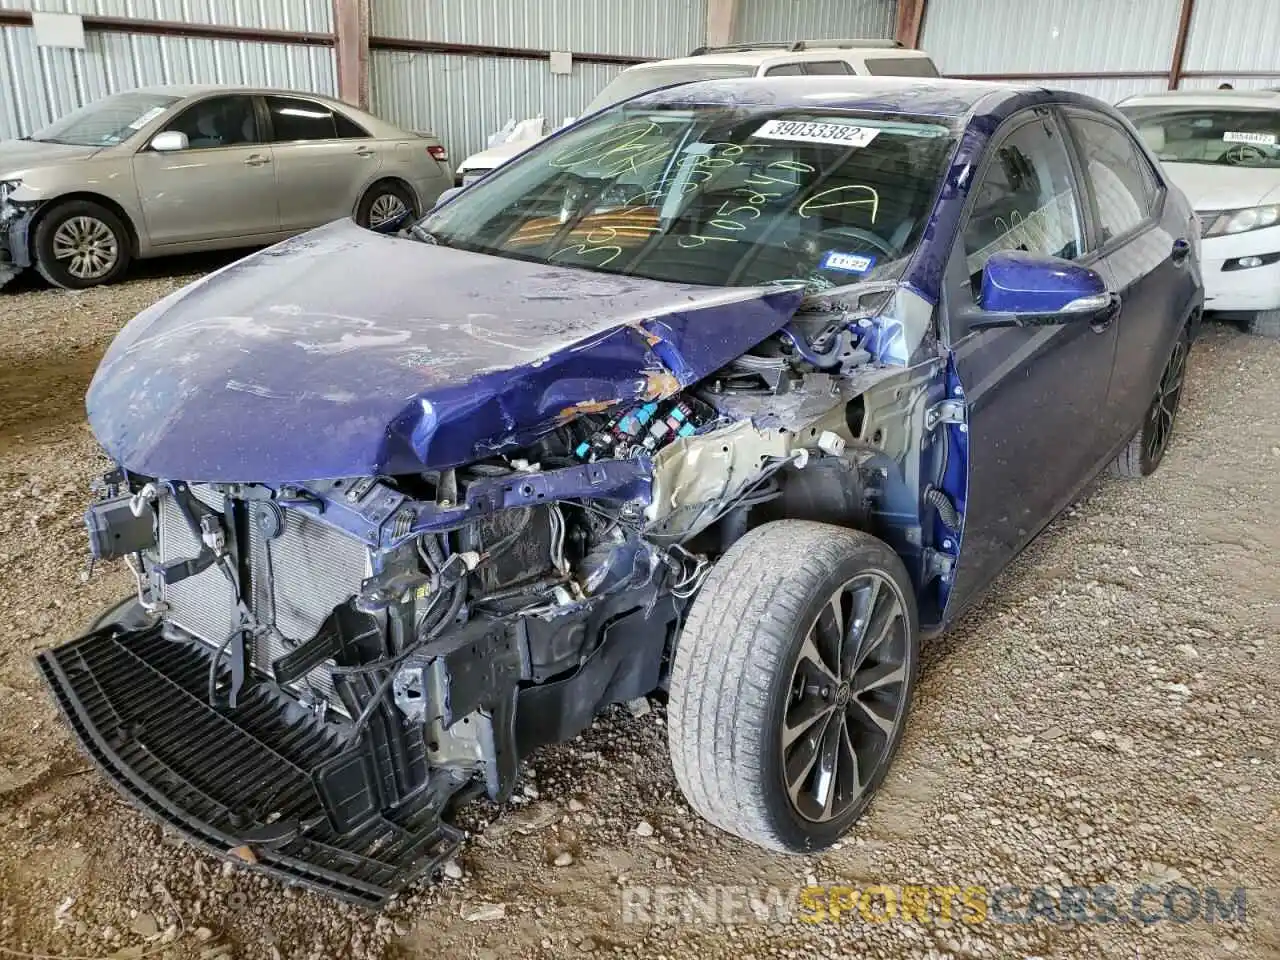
{"x":846,"y":262}
{"x":147,"y":117}
{"x":804,"y":131}
{"x":1265,"y":139}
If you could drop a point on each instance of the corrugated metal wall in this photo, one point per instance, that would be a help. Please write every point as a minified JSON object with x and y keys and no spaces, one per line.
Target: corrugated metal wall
{"x":1234,"y":35}
{"x":38,"y":84}
{"x":1110,"y":89}
{"x":813,"y":19}
{"x":462,"y":99}
{"x":1113,"y":36}
{"x":1053,"y":36}
{"x":309,"y":16}
{"x":635,"y":28}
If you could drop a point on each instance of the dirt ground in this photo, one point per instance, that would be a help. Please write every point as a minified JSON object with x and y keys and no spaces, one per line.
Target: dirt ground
{"x":1107,"y":717}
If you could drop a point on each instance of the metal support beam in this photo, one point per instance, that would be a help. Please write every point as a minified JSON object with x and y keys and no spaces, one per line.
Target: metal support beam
{"x":721,"y":15}
{"x":351,"y":47}
{"x":1180,"y":44}
{"x":910,"y":22}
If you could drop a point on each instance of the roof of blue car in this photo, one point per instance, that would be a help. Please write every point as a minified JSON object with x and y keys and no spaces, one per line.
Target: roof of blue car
{"x":911,"y":95}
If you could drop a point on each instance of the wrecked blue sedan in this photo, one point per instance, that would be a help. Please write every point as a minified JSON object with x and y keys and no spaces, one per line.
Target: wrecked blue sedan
{"x":730,"y":393}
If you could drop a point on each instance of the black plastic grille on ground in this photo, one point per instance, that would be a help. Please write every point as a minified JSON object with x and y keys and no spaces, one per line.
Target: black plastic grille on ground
{"x":228,"y":778}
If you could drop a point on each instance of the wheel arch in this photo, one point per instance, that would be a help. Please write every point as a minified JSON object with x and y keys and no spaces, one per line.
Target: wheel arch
{"x":388,"y":178}
{"x":52,"y":204}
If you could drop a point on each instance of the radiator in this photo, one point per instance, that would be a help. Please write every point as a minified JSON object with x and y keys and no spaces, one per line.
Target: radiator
{"x":314,"y":567}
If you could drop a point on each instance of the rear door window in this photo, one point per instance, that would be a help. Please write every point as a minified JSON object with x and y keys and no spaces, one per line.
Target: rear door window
{"x":1120,"y":177}
{"x":901,"y":67}
{"x":785,"y":70}
{"x":827,"y":68}
{"x":295,"y":119}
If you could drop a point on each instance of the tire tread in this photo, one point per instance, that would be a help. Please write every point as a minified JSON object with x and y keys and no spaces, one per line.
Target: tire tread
{"x":737,"y":638}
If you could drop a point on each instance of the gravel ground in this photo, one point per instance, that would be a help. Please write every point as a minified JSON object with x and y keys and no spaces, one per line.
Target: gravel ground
{"x":1107,"y":716}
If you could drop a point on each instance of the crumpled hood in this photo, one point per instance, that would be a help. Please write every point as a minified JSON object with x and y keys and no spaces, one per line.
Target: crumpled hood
{"x":17,"y":156}
{"x":1211,"y":186}
{"x":345,"y":353}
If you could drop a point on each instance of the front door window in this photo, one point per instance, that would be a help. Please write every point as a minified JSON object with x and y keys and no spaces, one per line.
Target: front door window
{"x":1025,"y":201}
{"x":219,"y":122}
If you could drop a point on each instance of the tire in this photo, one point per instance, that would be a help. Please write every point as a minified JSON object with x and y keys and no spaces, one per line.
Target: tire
{"x":1146,"y":448}
{"x":1264,"y":323}
{"x":370,"y":211}
{"x":738,"y":665}
{"x":103,"y":241}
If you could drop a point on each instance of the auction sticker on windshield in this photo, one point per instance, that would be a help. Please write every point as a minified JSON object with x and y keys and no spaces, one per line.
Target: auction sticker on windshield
{"x":147,"y":117}
{"x":805,"y":131}
{"x":1266,"y":139}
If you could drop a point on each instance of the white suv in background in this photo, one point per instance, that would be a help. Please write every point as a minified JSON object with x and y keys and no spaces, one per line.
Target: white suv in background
{"x":867,"y":58}
{"x":1222,"y":148}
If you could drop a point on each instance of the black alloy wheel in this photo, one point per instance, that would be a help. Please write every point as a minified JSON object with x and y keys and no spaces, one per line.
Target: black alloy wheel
{"x":847,"y":697}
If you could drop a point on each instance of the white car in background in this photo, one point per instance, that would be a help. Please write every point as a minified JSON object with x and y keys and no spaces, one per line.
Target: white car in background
{"x":1222,"y":148}
{"x":865,"y":58}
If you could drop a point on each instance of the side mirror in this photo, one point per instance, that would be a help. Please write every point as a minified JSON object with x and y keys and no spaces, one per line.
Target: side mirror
{"x":169,"y":141}
{"x":1025,"y":289}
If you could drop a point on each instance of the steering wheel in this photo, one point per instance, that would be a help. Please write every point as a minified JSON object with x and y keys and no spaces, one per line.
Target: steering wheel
{"x":1243,"y":153}
{"x":857,"y":233}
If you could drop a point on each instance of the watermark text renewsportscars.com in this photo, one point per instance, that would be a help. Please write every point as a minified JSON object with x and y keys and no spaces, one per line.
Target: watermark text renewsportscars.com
{"x":934,"y":904}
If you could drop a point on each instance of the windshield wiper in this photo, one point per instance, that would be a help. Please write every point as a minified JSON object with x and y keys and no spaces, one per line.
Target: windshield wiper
{"x":421,"y":233}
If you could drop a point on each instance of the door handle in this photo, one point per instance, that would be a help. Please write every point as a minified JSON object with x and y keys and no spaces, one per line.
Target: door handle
{"x":256,"y":160}
{"x":1181,"y":249}
{"x":365,"y":152}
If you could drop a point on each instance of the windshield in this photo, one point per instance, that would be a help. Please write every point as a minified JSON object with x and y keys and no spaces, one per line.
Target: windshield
{"x":1236,"y":137}
{"x":106,"y":122}
{"x":632,"y":83}
{"x":712,"y":195}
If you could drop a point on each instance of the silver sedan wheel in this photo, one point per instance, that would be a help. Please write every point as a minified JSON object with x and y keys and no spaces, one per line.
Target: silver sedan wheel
{"x":86,"y":247}
{"x":385,"y":208}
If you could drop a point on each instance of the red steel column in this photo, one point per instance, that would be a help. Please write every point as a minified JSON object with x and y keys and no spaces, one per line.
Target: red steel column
{"x":351,"y":48}
{"x":910,"y":22}
{"x":1180,"y":45}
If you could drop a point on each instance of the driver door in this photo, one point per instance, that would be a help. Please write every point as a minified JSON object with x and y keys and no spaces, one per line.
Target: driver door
{"x":1034,"y":395}
{"x":222,"y":186}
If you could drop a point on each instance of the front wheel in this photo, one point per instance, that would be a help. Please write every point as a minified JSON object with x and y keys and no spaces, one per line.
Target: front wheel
{"x":1148,"y":445}
{"x":81,"y":244}
{"x":791,"y":682}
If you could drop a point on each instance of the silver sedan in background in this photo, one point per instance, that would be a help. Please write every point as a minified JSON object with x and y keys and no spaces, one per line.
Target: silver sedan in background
{"x":163,"y":170}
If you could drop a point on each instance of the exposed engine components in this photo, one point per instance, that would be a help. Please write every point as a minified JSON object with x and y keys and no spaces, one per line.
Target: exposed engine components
{"x":117,"y":530}
{"x":646,"y":429}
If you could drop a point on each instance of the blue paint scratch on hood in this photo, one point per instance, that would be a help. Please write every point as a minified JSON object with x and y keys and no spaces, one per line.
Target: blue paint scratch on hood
{"x":347,"y":353}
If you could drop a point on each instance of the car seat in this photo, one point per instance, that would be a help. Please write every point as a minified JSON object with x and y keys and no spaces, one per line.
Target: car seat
{"x":206,"y":130}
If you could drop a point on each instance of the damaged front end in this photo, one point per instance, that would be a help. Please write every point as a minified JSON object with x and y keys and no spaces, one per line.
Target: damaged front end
{"x":15,"y":229}
{"x":312,"y":674}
